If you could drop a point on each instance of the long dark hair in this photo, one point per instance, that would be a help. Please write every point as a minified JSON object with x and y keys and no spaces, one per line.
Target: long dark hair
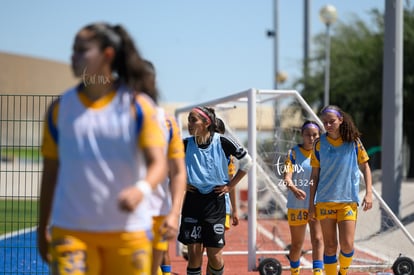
{"x":348,"y":131}
{"x":128,"y":63}
{"x":220,"y":126}
{"x":150,"y":70}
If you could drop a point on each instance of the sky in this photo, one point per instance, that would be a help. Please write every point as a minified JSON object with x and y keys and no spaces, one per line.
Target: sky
{"x":202,"y":50}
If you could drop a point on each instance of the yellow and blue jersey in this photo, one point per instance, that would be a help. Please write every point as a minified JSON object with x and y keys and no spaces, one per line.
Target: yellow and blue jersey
{"x":360,"y":151}
{"x":232,"y":171}
{"x":298,"y":162}
{"x":175,"y":142}
{"x":161,"y":196}
{"x":339,"y":174}
{"x":99,"y":146}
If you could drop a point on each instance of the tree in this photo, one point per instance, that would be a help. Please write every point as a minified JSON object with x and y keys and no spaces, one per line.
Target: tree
{"x":356,"y":75}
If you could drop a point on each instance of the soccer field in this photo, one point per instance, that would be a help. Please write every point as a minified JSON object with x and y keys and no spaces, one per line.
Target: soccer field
{"x":18,"y":251}
{"x":17,"y":214}
{"x":18,"y":254}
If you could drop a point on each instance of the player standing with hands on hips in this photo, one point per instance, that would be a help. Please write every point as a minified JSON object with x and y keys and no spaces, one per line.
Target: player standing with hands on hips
{"x":204,"y":210}
{"x":337,"y":159}
{"x":104,"y":153}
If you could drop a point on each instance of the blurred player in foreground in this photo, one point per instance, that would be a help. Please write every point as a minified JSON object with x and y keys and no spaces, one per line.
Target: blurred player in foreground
{"x":104,"y":153}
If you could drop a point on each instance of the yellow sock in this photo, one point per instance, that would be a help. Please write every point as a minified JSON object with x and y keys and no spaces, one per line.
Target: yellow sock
{"x":345,"y":261}
{"x":330,"y":269}
{"x":330,"y":264}
{"x":294,"y":271}
{"x":317,"y":271}
{"x":166,"y":269}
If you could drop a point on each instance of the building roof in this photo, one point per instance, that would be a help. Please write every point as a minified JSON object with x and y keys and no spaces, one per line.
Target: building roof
{"x":26,"y":75}
{"x":30,"y":75}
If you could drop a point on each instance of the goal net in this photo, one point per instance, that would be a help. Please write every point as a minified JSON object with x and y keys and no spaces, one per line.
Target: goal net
{"x":268,"y":123}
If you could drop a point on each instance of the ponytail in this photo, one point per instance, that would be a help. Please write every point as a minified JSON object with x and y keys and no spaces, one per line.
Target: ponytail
{"x":131,"y":67}
{"x":128,"y":63}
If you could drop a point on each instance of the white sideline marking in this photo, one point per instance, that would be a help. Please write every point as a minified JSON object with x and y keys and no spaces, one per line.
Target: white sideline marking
{"x":16,"y":233}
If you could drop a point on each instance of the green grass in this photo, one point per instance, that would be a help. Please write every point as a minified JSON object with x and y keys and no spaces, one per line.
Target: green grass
{"x":28,"y":153}
{"x":17,"y":214}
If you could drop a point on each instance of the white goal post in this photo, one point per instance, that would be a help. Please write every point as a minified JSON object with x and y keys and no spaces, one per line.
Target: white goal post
{"x":252,"y":97}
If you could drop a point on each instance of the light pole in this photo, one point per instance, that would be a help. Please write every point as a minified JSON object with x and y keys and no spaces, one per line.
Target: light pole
{"x":275,"y":34}
{"x":328,"y":16}
{"x":306,"y":42}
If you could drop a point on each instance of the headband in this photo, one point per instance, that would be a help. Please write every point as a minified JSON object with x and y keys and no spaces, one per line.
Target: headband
{"x":329,"y":110}
{"x":310,"y":125}
{"x":202,"y":113}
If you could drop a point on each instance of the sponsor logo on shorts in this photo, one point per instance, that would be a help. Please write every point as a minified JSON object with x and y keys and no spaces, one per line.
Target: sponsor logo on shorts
{"x":324,"y":211}
{"x":218,"y":228}
{"x":190,"y":220}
